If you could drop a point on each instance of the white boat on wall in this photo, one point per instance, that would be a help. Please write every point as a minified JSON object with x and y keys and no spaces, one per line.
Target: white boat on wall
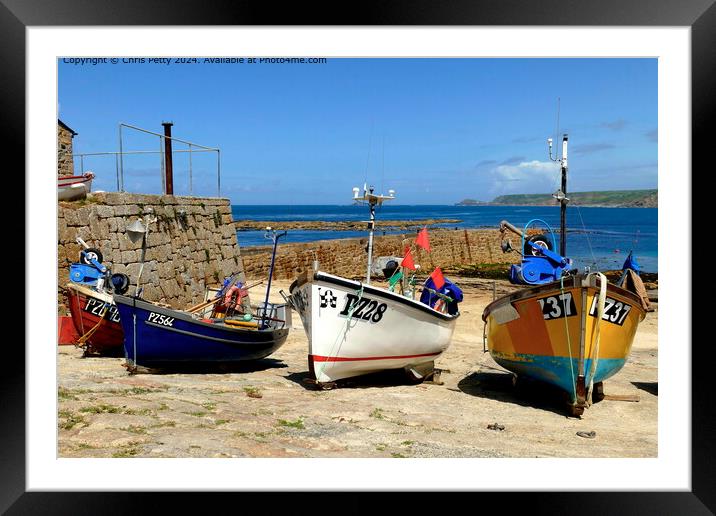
{"x":71,"y":188}
{"x":355,"y":328}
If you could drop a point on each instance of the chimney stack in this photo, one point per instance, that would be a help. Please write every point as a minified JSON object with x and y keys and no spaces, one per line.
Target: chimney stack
{"x":168,"y":158}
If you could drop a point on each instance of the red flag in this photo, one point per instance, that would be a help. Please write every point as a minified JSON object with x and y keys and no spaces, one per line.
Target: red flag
{"x":422,"y":239}
{"x":407,"y":261}
{"x":438,"y":279}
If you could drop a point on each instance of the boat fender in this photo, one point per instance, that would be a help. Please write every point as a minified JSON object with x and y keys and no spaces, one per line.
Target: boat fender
{"x":119,"y":282}
{"x":234,"y":291}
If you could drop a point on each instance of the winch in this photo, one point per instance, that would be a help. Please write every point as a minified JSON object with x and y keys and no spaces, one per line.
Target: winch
{"x":540,"y":264}
{"x":90,"y":271}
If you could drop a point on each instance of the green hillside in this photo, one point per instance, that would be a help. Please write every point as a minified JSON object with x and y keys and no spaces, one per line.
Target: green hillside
{"x":615,"y":198}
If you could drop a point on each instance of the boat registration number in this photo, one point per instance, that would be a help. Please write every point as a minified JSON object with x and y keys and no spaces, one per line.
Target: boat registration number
{"x":162,"y":319}
{"x":614,"y":311}
{"x":555,"y":307}
{"x":97,"y":307}
{"x":363,"y":308}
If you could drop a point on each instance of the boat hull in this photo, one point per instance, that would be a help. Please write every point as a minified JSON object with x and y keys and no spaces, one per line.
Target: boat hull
{"x":384,"y":331}
{"x":87,"y":308}
{"x":157,"y":337}
{"x":537,"y":332}
{"x":73,"y":187}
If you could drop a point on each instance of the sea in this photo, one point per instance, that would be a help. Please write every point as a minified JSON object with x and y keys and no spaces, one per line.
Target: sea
{"x":597,"y":238}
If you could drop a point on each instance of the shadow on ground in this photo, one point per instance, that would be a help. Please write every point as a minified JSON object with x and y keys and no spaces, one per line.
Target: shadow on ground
{"x":389,"y":378}
{"x":249,"y":366}
{"x":650,"y":387}
{"x":499,"y":386}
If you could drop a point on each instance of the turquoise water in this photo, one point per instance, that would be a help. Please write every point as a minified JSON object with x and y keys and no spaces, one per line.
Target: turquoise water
{"x":599,"y":238}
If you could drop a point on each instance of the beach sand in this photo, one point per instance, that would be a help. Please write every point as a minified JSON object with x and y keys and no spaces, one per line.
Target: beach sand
{"x":267,"y":410}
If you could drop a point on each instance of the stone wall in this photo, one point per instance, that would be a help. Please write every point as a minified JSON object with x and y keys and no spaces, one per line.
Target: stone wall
{"x":347,"y":257}
{"x":65,"y":164}
{"x":191,"y":245}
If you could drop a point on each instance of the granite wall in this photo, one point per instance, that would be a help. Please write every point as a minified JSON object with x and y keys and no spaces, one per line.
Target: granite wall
{"x":347,"y":257}
{"x":191,"y":243}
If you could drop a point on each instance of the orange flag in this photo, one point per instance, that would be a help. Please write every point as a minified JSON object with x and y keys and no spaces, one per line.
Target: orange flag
{"x":407,"y":261}
{"x":422,"y":239}
{"x":438,"y":279}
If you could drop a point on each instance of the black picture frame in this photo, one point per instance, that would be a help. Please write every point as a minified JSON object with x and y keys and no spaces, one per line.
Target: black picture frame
{"x":700,"y":16}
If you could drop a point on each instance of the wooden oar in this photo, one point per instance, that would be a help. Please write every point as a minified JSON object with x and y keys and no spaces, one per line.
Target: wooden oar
{"x":203,"y":305}
{"x":211,"y":302}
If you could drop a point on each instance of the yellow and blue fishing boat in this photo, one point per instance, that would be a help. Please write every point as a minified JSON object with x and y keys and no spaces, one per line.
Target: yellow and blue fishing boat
{"x":568,"y":328}
{"x":573,"y":333}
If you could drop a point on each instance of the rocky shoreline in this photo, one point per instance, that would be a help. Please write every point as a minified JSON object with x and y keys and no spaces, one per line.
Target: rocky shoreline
{"x":339,"y":225}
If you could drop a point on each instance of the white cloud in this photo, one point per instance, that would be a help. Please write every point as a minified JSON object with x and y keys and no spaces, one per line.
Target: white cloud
{"x":525,"y":177}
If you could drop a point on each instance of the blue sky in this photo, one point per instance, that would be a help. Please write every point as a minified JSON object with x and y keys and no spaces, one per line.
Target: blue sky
{"x":435,"y":130}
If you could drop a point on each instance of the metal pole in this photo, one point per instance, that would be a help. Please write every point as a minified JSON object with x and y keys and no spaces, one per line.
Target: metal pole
{"x":176,"y":139}
{"x":563,"y":202}
{"x":116,"y":165}
{"x":169,"y":169}
{"x":275,"y":238}
{"x":371,"y":224}
{"x":161,"y":166}
{"x":218,"y":173}
{"x":121,"y":160}
{"x":191,"y":190}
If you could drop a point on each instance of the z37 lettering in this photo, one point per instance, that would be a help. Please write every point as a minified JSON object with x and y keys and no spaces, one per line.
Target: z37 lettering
{"x":614,"y":311}
{"x":554,"y":307}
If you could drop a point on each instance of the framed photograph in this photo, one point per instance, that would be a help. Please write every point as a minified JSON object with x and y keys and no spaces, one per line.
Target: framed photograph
{"x":656,"y":66}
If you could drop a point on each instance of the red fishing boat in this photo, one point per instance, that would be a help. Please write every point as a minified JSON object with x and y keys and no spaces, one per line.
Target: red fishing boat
{"x":95,"y":318}
{"x":92,"y":310}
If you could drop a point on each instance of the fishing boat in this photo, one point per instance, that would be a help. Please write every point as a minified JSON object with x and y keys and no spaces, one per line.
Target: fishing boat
{"x":159,"y":337}
{"x":72,"y":188}
{"x":569,"y":328}
{"x":355,"y":328}
{"x":92,"y":310}
{"x":95,"y":318}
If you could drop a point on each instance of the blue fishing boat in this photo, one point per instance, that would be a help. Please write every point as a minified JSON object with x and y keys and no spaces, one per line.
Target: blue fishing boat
{"x":158,"y":337}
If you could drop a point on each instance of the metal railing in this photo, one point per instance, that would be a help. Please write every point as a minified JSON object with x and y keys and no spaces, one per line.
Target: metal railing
{"x":119,"y":158}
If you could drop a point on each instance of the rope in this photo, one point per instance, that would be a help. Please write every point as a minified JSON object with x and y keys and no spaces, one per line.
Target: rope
{"x":595,"y":347}
{"x":87,"y":335}
{"x":569,"y":341}
{"x":342,"y":333}
{"x":77,"y":297}
{"x":589,"y":242}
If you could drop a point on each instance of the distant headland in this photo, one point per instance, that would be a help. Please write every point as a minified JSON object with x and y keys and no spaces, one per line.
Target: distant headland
{"x":608,"y":198}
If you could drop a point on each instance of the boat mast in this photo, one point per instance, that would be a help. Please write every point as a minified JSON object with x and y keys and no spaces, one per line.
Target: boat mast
{"x":371,"y":228}
{"x":561,"y":195}
{"x":372,"y":200}
{"x":271,"y":235}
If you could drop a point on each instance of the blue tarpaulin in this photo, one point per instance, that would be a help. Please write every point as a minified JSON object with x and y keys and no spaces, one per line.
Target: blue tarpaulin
{"x":448,"y":289}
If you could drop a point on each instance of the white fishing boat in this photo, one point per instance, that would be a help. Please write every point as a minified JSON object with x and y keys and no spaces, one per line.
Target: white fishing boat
{"x":71,"y":188}
{"x":355,"y":328}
